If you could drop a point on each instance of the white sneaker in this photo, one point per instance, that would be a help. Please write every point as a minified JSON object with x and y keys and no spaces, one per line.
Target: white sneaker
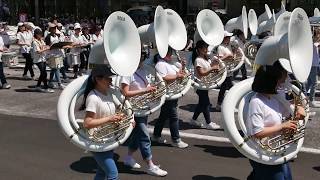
{"x":196,"y":123}
{"x":48,"y":90}
{"x":6,"y":86}
{"x":312,"y":114}
{"x":213,"y":126}
{"x":51,"y":85}
{"x":61,"y":86}
{"x":315,"y":104}
{"x":159,"y":140}
{"x":180,"y":144}
{"x":156,"y":171}
{"x":131,"y":163}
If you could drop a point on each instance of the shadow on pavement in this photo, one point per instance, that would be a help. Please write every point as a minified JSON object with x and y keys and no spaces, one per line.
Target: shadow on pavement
{"x":205,"y":177}
{"x":18,"y":78}
{"x":85,"y":165}
{"x":230,"y":152}
{"x":88,"y":165}
{"x":192,"y":107}
{"x":317,"y":168}
{"x":26,"y":90}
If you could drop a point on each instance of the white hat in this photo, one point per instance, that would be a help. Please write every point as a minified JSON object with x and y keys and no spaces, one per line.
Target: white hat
{"x":227,"y":34}
{"x":77,"y":26}
{"x":30,"y":24}
{"x":59,"y":25}
{"x":20,"y":24}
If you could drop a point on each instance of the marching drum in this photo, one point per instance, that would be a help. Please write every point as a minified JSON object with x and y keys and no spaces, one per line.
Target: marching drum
{"x":73,"y":59}
{"x":55,"y":62}
{"x":9,"y":59}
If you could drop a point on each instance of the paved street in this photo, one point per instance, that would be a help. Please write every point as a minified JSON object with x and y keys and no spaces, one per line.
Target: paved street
{"x":33,"y":146}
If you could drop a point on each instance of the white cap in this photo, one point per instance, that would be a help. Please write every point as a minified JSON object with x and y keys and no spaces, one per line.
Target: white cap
{"x":20,"y":24}
{"x":77,"y":26}
{"x":59,"y":25}
{"x":227,"y":34}
{"x":30,"y":24}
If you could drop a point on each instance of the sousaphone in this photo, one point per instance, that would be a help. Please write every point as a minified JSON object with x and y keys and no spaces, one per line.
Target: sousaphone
{"x":120,"y":49}
{"x":211,"y":30}
{"x":294,"y":46}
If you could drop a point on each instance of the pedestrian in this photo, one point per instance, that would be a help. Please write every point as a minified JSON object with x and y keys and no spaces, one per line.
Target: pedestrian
{"x":265,"y":116}
{"x":39,"y":49}
{"x":135,"y":85}
{"x":169,"y":72}
{"x":4,"y":83}
{"x":99,"y":110}
{"x":24,"y":40}
{"x":203,"y":66}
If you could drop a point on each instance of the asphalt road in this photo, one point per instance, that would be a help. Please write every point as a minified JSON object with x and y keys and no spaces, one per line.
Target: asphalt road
{"x":35,"y":149}
{"x":33,"y":146}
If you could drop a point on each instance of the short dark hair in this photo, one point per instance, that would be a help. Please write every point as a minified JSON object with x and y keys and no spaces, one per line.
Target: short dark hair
{"x":267,"y":77}
{"x":199,"y":45}
{"x":37,"y":32}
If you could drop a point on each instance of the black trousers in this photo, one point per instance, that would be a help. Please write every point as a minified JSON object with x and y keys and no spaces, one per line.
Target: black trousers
{"x":168,"y":111}
{"x":203,"y":106}
{"x":243,"y":70}
{"x":43,"y":75}
{"x":29,"y":63}
{"x":2,"y":76}
{"x":226,"y":85}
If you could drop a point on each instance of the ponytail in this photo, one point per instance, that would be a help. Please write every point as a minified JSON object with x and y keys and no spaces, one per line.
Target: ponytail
{"x":90,"y":86}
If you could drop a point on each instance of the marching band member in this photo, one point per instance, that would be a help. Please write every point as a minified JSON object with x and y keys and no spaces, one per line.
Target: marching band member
{"x":203,"y":66}
{"x":169,"y":72}
{"x":138,"y":84}
{"x":62,"y":38}
{"x":24,"y":40}
{"x":97,"y":34}
{"x":100,"y":109}
{"x":312,"y":79}
{"x":4,"y":83}
{"x":77,"y":40}
{"x":265,"y":118}
{"x":225,"y":54}
{"x":53,"y":54}
{"x":84,"y":55}
{"x":240,"y":40}
{"x":39,"y":49}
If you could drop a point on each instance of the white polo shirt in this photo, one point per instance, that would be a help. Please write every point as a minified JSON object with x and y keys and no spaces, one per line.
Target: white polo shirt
{"x":25,"y":37}
{"x":164,"y":68}
{"x":100,"y":104}
{"x":96,"y":38}
{"x":1,"y":47}
{"x":137,"y":81}
{"x":36,"y":46}
{"x":77,"y":40}
{"x":204,"y":64}
{"x":264,"y":112}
